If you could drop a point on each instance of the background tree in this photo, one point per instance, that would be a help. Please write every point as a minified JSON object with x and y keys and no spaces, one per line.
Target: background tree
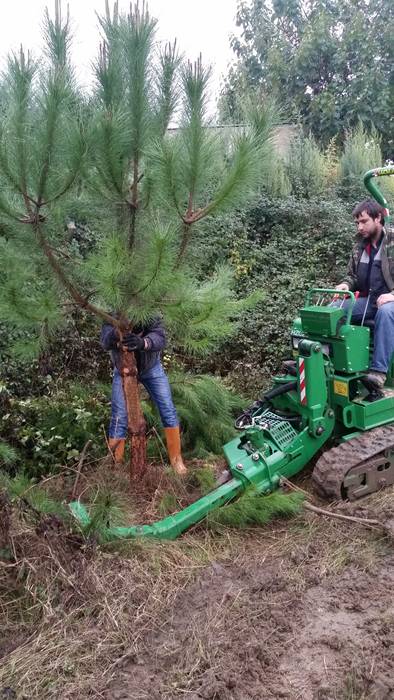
{"x":115,"y":165}
{"x":331,"y":62}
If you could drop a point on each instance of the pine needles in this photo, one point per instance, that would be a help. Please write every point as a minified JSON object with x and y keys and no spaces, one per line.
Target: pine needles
{"x":106,"y":511}
{"x":254,"y":509}
{"x":25,"y":492}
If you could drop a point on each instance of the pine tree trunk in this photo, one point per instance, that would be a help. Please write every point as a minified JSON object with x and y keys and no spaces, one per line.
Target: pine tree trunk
{"x":135,"y":416}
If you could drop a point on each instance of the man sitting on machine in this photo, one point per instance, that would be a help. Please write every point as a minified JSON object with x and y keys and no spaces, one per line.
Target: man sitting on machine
{"x":371,"y":273}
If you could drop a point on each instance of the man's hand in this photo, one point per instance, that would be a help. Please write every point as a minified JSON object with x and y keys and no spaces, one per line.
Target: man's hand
{"x":343,"y":287}
{"x":384,"y":299}
{"x":133,"y":342}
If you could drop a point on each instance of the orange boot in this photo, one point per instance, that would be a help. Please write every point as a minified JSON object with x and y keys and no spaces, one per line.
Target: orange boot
{"x":117,"y":447}
{"x":173,"y":440}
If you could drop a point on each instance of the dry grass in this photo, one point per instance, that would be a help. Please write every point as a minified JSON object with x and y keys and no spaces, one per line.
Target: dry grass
{"x":74,"y":611}
{"x":79,"y":608}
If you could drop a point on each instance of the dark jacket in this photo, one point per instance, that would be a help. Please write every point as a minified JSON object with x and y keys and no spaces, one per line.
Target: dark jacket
{"x":153,"y":331}
{"x":386,"y":257}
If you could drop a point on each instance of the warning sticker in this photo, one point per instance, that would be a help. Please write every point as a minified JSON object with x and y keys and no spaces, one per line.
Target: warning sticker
{"x":341,"y":388}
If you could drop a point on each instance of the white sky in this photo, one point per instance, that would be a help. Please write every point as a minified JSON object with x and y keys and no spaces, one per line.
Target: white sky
{"x":199,"y":26}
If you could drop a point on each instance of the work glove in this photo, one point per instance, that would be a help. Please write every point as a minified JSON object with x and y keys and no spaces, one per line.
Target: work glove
{"x":133,"y":342}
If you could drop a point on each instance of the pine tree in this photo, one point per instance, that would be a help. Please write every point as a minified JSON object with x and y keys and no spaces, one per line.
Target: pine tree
{"x":112,"y":161}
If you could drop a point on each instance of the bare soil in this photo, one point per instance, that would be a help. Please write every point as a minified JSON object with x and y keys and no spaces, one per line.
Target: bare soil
{"x":271,"y":626}
{"x":301,"y":610}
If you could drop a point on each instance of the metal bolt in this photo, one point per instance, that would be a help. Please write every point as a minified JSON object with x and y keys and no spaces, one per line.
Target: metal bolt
{"x":255,"y":456}
{"x":319,"y":430}
{"x":240,"y":466}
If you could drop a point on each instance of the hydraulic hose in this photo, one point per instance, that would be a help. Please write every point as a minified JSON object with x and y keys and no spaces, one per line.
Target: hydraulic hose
{"x":279,"y":390}
{"x":245,"y":418}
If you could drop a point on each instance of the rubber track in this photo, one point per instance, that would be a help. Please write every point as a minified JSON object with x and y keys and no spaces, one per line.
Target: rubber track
{"x":332,"y":467}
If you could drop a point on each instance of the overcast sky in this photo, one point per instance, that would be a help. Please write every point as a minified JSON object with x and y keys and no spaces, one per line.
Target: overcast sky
{"x":199,"y":26}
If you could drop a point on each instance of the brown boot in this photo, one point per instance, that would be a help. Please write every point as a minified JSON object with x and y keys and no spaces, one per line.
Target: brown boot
{"x":173,"y":440}
{"x":117,"y":447}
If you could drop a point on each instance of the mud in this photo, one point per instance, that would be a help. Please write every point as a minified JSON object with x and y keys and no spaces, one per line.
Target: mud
{"x":314,"y":623}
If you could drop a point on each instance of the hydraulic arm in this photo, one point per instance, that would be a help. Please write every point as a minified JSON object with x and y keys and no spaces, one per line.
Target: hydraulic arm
{"x":270,"y":448}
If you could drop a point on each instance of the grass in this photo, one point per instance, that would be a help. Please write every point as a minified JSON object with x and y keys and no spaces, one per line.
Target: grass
{"x":78,"y":608}
{"x":353,"y":689}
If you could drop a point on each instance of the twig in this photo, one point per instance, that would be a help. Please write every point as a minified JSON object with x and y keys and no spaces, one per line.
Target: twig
{"x":111,"y":452}
{"x":292,"y":486}
{"x":79,"y":468}
{"x":367,"y":522}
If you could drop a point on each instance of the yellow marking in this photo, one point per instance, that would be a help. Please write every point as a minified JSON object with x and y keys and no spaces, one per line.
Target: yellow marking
{"x":341,"y":388}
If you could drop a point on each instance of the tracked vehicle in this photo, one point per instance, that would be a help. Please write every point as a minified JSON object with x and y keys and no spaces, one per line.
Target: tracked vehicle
{"x":319,"y":407}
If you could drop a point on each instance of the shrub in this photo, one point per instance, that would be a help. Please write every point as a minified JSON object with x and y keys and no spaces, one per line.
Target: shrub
{"x":284,"y":247}
{"x":49,"y":432}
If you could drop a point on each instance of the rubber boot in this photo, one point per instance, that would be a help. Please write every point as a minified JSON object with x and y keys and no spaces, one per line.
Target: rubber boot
{"x":173,"y":440}
{"x":117,"y":447}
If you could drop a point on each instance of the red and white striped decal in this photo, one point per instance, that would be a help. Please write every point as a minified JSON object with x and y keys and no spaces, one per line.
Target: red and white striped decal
{"x":301,"y":369}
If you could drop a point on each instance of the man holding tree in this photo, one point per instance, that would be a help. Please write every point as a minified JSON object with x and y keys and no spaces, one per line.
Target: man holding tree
{"x":146,"y":341}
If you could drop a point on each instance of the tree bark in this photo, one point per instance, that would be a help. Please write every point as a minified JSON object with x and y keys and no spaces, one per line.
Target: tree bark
{"x":135,"y":416}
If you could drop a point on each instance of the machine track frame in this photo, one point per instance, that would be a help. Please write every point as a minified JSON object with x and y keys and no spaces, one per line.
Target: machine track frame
{"x":359,"y":466}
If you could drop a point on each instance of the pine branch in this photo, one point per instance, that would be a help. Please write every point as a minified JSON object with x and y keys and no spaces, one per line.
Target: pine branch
{"x":197,"y":142}
{"x":81,"y":301}
{"x":137,"y":34}
{"x":24,"y":87}
{"x":51,"y":120}
{"x":108,"y":132}
{"x":167,"y":89}
{"x":57,"y":36}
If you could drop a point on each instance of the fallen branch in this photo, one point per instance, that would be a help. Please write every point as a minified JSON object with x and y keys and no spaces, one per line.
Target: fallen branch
{"x":367,"y":522}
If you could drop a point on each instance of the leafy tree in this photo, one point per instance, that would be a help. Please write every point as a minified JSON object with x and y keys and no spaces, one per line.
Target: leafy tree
{"x":113,"y":163}
{"x":330,"y":61}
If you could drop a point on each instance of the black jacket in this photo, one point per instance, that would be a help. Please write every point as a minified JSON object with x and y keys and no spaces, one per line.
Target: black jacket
{"x":155,"y":333}
{"x":387,"y":260}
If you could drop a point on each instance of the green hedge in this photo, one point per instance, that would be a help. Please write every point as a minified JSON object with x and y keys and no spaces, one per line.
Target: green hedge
{"x":284,"y":247}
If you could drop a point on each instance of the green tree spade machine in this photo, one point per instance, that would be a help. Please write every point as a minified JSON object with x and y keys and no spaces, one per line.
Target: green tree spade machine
{"x":319,"y":401}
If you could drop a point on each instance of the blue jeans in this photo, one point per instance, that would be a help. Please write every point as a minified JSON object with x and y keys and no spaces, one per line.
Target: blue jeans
{"x":383,"y":332}
{"x":157,"y":385}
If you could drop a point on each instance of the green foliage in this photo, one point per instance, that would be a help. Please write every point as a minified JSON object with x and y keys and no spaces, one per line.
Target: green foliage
{"x":8,"y":454}
{"x":203,"y":477}
{"x":284,"y":247}
{"x":254,"y":509}
{"x":49,"y":432}
{"x":361,"y":152}
{"x":46,"y":433}
{"x":106,"y":510}
{"x":24,"y":490}
{"x":73,"y":353}
{"x":306,"y":168}
{"x":329,"y":61}
{"x":206,"y":409}
{"x":168,"y":504}
{"x":111,"y":164}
